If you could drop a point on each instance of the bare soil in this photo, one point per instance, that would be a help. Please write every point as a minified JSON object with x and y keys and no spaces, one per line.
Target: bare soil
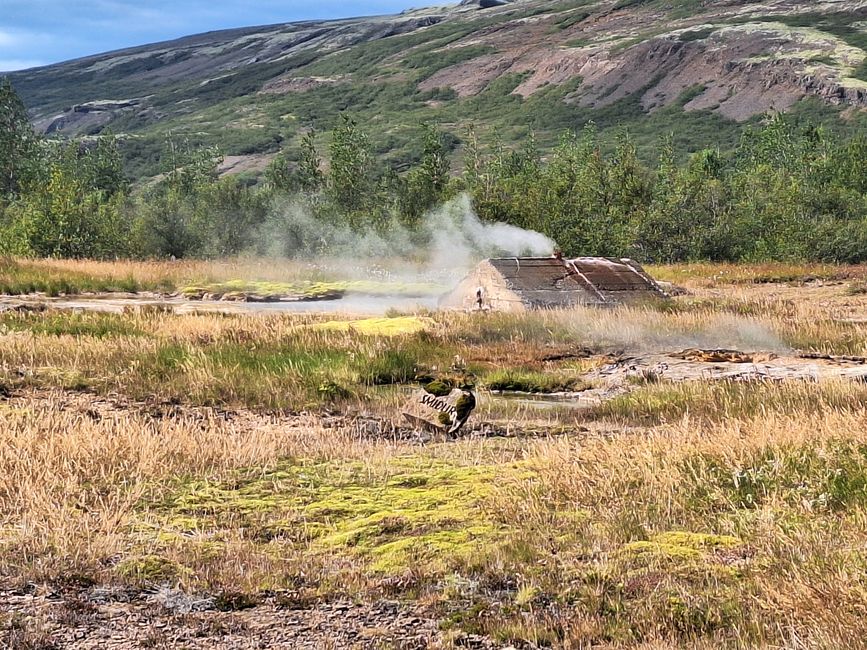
{"x":729,"y":365}
{"x":114,"y":618}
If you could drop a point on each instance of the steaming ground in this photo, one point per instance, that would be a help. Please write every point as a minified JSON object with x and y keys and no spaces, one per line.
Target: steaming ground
{"x":448,"y":242}
{"x":643,"y":331}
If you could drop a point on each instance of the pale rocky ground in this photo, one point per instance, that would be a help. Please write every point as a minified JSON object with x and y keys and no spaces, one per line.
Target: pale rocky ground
{"x":105,"y":618}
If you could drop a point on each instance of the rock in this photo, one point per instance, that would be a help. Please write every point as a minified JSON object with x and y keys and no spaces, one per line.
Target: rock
{"x":441,"y":413}
{"x":179,"y":602}
{"x":672,"y":289}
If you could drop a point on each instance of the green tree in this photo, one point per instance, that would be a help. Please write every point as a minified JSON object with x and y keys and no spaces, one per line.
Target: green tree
{"x":226,"y":217}
{"x":169,"y":219}
{"x":625,"y":203}
{"x":304,"y":176}
{"x":18,"y":143}
{"x":162,"y":225}
{"x":571,"y":196}
{"x":427,"y":183}
{"x":279,"y":175}
{"x":352,"y":180}
{"x":310,"y":176}
{"x":68,"y":215}
{"x":103,"y":166}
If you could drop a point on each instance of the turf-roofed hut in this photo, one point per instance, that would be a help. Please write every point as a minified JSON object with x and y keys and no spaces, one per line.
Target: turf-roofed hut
{"x":524,"y":283}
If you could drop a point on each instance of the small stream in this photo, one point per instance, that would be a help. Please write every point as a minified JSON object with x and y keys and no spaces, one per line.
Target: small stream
{"x":356,"y":304}
{"x":545,"y":401}
{"x":534,"y":401}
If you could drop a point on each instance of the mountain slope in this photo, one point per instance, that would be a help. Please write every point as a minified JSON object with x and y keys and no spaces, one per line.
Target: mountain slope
{"x":700,"y":69}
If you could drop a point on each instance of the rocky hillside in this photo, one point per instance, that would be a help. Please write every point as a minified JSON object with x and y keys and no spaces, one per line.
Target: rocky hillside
{"x":701,"y":69}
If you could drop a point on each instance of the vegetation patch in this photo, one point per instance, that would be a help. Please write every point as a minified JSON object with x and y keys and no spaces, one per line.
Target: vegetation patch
{"x":526,"y":381}
{"x":830,"y":479}
{"x":418,"y":512}
{"x":678,"y":545}
{"x":723,"y":400}
{"x":65,"y":324}
{"x":398,"y":326}
{"x":258,"y":361}
{"x":22,"y":277}
{"x":697,"y":34}
{"x":258,"y":291}
{"x":149,"y":570}
{"x":707,"y":274}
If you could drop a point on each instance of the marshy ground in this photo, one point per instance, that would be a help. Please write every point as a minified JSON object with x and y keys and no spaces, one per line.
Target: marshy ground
{"x":245,"y":480}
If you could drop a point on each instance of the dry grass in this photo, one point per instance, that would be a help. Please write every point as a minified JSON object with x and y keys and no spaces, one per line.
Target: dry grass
{"x":774,"y":505}
{"x":691,"y":515}
{"x":297,"y":362}
{"x":53,"y":276}
{"x":72,"y":478}
{"x":268,"y":362}
{"x":741,"y":532}
{"x":726,"y":400}
{"x":707,"y":274}
{"x":88,"y":275}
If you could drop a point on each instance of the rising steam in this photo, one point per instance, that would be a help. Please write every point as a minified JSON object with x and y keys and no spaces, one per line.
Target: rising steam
{"x":448,"y":242}
{"x":450,"y":239}
{"x":459,"y":239}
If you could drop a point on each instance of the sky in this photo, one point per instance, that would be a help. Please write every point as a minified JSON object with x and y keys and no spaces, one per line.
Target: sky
{"x":39,"y":32}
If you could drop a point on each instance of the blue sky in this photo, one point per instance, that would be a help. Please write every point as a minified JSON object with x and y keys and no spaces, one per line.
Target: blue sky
{"x":38,"y":32}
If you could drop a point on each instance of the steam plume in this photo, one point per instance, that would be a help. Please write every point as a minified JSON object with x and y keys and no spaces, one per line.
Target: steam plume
{"x":450,"y":238}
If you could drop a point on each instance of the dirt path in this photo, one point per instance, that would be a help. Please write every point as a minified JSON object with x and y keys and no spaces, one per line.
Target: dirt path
{"x":114,"y":618}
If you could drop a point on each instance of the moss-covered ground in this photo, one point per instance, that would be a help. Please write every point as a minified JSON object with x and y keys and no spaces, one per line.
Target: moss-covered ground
{"x":416,"y":511}
{"x":395,"y":326}
{"x":251,"y":290}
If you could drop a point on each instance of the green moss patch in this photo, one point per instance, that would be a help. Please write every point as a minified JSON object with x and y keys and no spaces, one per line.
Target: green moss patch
{"x":678,"y":545}
{"x":401,"y":325}
{"x":242,"y":290}
{"x":439,"y":387}
{"x":149,"y":569}
{"x":533,"y":382}
{"x":416,"y":512}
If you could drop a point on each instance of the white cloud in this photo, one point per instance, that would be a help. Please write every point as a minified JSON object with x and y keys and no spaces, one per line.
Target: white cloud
{"x":11,"y":65}
{"x":13,"y":40}
{"x":8,"y":39}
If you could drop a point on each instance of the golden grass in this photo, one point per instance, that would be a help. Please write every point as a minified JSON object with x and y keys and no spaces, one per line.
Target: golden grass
{"x":255,"y":275}
{"x":690,"y":515}
{"x":722,"y":401}
{"x":302,"y":361}
{"x":786,"y":488}
{"x":156,"y":274}
{"x":713,"y":274}
{"x":740,"y":532}
{"x":72,"y":478}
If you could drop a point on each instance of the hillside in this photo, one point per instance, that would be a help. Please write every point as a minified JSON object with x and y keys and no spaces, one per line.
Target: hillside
{"x":701,"y":69}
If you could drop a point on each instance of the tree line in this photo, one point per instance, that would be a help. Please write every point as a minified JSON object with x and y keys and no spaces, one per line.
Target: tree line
{"x":788,"y":191}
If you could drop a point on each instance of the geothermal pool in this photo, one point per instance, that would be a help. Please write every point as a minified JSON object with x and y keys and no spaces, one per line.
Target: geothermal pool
{"x":357,"y":304}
